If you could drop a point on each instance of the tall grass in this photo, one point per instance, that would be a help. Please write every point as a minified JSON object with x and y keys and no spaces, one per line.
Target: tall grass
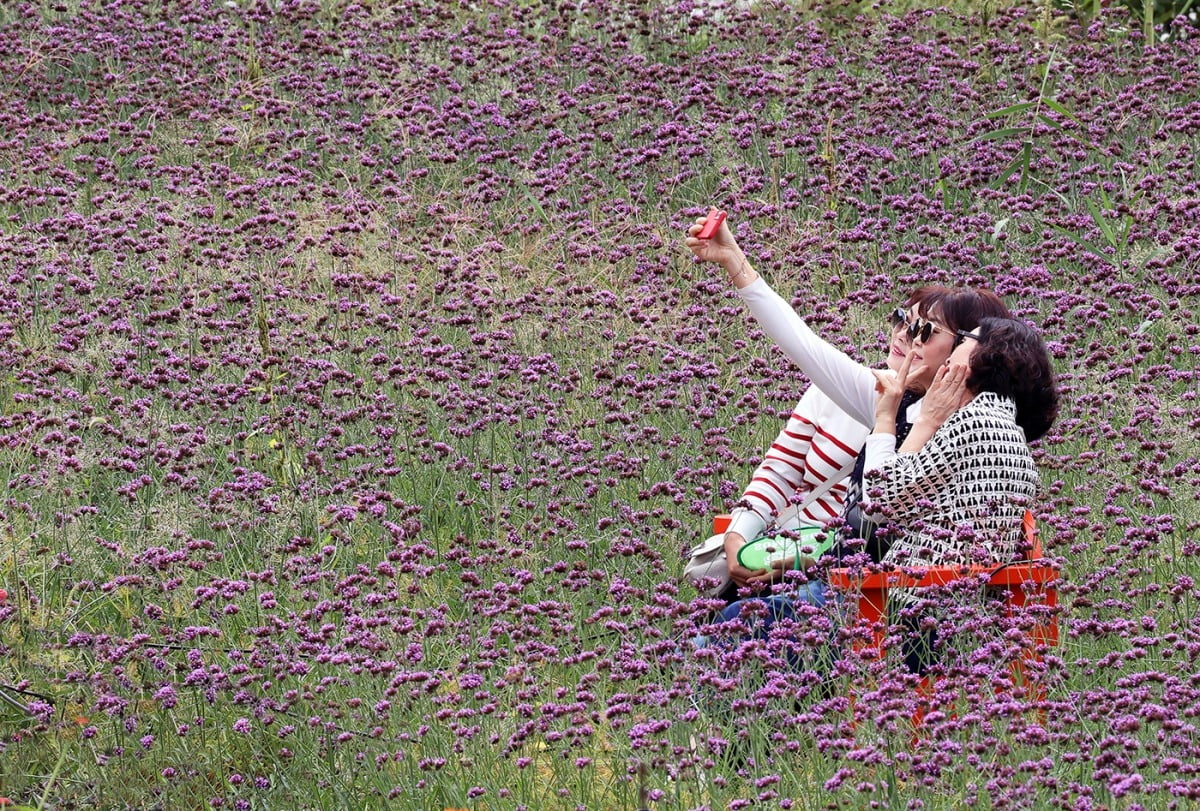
{"x":359,"y":400}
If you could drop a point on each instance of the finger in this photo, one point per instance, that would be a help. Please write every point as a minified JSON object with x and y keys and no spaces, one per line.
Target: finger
{"x":762,"y":578}
{"x":746,"y":574}
{"x":937,"y":383}
{"x":956,"y":374}
{"x":902,"y":372}
{"x":740,"y":576}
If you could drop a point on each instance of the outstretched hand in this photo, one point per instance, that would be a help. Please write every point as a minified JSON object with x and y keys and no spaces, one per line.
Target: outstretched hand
{"x":722,"y":248}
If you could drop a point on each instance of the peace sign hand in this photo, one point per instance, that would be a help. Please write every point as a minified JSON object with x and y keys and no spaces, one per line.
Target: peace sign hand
{"x":890,"y":386}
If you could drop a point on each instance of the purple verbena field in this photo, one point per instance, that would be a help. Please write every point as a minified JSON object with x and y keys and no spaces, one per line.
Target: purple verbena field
{"x":359,"y":399}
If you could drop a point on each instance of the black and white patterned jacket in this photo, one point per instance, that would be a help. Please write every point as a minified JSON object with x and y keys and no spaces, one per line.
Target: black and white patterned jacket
{"x":961,"y":497}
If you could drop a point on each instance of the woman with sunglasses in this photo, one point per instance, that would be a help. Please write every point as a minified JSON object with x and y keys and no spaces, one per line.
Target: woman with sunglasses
{"x":842,"y":397}
{"x":958,"y":485}
{"x":960,"y":482}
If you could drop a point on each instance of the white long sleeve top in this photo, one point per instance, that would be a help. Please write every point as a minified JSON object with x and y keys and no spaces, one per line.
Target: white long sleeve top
{"x":848,"y":383}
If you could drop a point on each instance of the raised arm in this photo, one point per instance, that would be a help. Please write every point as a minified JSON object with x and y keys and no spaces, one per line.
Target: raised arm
{"x":848,"y":383}
{"x":845,"y":381}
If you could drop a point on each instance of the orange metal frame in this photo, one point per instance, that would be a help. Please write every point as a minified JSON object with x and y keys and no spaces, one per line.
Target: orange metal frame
{"x":1028,"y":583}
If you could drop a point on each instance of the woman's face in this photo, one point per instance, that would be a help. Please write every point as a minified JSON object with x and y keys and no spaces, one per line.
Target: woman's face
{"x":931,"y":342}
{"x":962,"y":353}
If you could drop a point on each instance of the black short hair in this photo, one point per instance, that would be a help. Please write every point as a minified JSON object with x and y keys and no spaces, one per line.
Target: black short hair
{"x":1011,"y":360}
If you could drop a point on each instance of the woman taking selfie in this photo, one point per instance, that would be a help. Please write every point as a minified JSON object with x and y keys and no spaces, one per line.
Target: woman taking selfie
{"x":828,"y":426}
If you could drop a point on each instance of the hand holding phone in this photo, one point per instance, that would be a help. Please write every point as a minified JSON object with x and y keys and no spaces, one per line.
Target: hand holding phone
{"x":712,"y":224}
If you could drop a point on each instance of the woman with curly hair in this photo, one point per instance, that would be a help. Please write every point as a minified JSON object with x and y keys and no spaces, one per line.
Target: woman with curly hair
{"x":959,"y":484}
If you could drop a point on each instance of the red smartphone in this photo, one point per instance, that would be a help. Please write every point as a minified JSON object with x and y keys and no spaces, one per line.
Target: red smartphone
{"x":715,"y":218}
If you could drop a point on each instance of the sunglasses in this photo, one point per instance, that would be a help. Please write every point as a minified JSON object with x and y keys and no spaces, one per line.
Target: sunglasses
{"x":916,"y":328}
{"x":960,"y":335}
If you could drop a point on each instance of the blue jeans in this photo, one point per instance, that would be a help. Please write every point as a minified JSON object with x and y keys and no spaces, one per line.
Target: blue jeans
{"x":782,"y":607}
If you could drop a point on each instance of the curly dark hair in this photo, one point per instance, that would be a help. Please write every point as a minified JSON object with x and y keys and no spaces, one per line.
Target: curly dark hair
{"x":1011,"y":360}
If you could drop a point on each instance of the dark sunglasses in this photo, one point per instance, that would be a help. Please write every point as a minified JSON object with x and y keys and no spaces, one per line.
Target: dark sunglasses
{"x":959,"y":335}
{"x":925,"y":329}
{"x":915,"y":328}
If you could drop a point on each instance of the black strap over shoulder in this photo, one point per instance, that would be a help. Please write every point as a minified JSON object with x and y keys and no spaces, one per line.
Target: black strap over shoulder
{"x":870,"y":540}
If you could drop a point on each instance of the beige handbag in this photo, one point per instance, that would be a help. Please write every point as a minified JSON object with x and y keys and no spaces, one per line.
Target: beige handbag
{"x":707,"y":560}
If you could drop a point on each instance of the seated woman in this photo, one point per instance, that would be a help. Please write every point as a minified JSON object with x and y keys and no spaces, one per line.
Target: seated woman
{"x":959,"y":484}
{"x":829,"y":425}
{"x":799,"y":483}
{"x":961,"y":481}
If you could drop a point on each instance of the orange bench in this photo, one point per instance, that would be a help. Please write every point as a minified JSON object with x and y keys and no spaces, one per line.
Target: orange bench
{"x":1028,"y":586}
{"x":1026,"y":583}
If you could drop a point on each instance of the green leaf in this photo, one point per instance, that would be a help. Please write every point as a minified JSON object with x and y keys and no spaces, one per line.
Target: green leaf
{"x":1050,"y":122}
{"x":1101,"y":222}
{"x":1060,"y":109}
{"x":1026,"y":156}
{"x":1053,"y":191}
{"x":1087,"y":245}
{"x":996,"y":135}
{"x":1021,"y":161}
{"x":1016,"y":108}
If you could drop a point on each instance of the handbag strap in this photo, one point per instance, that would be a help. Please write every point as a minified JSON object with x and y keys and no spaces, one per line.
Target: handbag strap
{"x":792,"y":513}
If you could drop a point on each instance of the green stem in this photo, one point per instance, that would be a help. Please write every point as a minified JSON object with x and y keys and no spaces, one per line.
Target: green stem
{"x":62,"y":756}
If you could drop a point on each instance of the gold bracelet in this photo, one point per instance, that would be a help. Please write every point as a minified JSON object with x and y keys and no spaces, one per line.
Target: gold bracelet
{"x":745,"y":270}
